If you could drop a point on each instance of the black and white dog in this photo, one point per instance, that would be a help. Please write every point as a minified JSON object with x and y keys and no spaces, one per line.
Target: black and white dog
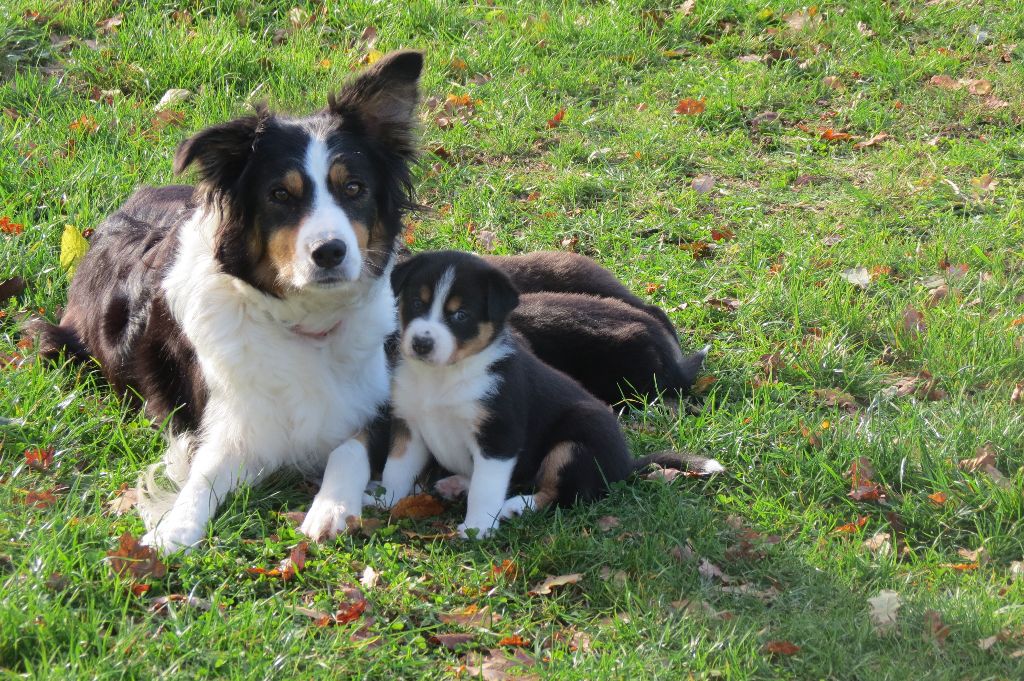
{"x":251,"y":310}
{"x":577,"y":317}
{"x":468,"y":393}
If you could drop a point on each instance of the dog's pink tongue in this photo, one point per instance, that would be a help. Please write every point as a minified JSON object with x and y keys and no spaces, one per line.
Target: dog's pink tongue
{"x":315,"y":335}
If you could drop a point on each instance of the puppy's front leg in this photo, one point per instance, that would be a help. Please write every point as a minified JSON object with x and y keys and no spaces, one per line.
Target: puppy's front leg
{"x":341,"y":492}
{"x":487,"y":489}
{"x":406,"y":460}
{"x":212,"y":476}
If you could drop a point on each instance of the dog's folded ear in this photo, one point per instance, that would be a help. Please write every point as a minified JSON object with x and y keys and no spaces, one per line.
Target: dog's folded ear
{"x":221,"y":151}
{"x":382,"y":102}
{"x":401,"y":273}
{"x":502,"y":296}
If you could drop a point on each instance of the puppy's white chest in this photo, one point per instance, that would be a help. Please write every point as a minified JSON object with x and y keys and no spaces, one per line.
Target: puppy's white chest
{"x":444,"y":406}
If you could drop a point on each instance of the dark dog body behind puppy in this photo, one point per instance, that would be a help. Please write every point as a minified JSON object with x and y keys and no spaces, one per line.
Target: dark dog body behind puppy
{"x":468,"y":392}
{"x":577,"y":317}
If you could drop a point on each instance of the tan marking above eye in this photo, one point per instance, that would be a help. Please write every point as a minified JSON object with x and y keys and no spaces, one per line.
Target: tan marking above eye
{"x":453,"y":304}
{"x":338,"y":174}
{"x":294,"y":183}
{"x":425,"y":294}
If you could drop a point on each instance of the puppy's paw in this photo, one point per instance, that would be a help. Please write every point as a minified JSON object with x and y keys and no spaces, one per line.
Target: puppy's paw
{"x":470,"y":530}
{"x":326,"y":519}
{"x":170,"y":536}
{"x":517,"y":506}
{"x":452,"y":487}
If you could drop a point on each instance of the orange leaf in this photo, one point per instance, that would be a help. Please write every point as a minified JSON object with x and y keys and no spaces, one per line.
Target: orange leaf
{"x":831,"y":135}
{"x":9,"y":227}
{"x":39,"y":459}
{"x":850,"y":528}
{"x":417,"y":507}
{"x":690,"y":107}
{"x":781,"y":648}
{"x":515,"y":641}
{"x":722,"y":234}
{"x":139,"y":589}
{"x":40,"y":499}
{"x":960,"y":567}
{"x":132,"y":559}
{"x":652,"y":288}
{"x":507,"y":570}
{"x":556,"y":120}
{"x":938,"y":498}
{"x":1017,"y":322}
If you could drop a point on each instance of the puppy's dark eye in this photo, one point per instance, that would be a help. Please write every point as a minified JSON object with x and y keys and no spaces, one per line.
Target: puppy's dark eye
{"x":417,"y":305}
{"x":459,"y":316}
{"x":280,"y":195}
{"x":353,"y":189}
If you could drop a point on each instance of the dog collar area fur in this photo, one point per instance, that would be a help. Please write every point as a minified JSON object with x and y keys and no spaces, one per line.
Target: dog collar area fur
{"x":314,"y":335}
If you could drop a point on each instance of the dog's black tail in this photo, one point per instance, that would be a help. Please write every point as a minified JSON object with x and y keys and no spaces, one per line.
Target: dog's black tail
{"x":54,"y":340}
{"x":691,"y":464}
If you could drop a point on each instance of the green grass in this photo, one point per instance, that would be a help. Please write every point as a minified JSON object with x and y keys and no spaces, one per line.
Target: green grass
{"x":615,"y":178}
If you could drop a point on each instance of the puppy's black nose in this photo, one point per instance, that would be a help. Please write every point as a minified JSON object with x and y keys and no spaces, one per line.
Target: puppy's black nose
{"x":422,"y":345}
{"x":328,"y":254}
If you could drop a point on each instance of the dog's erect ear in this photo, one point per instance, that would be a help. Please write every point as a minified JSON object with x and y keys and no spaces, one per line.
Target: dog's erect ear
{"x":382,"y":101}
{"x":401,"y":273}
{"x":221,"y":151}
{"x":502,"y":296}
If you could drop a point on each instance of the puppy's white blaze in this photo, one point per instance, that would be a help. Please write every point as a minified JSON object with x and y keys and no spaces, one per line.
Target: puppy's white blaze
{"x":433,"y":326}
{"x":325,"y":221}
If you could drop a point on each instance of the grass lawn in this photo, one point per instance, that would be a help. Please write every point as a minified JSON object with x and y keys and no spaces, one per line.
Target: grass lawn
{"x":863,"y":297}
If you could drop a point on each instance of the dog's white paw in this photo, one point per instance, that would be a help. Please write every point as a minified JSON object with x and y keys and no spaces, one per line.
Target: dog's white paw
{"x":471,"y":530}
{"x":517,"y":506}
{"x":452,"y":487}
{"x":326,"y":519}
{"x":170,"y":536}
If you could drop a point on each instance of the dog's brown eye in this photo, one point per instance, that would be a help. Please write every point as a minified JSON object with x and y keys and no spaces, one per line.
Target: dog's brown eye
{"x":354,"y":190}
{"x":459,"y":316}
{"x":280,"y":195}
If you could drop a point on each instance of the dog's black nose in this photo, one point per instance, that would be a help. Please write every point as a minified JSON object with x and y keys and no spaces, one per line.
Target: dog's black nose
{"x":422,"y":345}
{"x":328,"y":254}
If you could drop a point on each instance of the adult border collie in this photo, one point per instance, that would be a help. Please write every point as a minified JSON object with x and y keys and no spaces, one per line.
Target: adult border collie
{"x":251,"y":310}
{"x":468,"y":393}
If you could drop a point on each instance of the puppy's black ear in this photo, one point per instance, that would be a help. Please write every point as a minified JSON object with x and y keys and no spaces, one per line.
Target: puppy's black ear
{"x":382,"y":102}
{"x":401,"y":273}
{"x":502,"y":296}
{"x":221,"y":151}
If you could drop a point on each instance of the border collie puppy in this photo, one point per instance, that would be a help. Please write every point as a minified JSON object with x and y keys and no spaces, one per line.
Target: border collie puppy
{"x":468,"y":393}
{"x":251,"y":311}
{"x":579,"y":318}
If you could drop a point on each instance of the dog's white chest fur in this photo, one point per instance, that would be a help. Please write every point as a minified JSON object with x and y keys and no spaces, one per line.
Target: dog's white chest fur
{"x":280,"y":396}
{"x":443,"y":404}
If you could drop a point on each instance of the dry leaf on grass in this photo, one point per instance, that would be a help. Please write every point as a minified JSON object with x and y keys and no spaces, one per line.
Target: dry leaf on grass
{"x":783,"y":648}
{"x":879,"y":544}
{"x":287,"y":568}
{"x":471,"y":616}
{"x":126,"y":499}
{"x":39,"y":459}
{"x":132,"y":559}
{"x":913,"y":321}
{"x":851,"y":528}
{"x":161,"y":605}
{"x":548,"y":585}
{"x":608,"y":522}
{"x":836,"y":398}
{"x":417,"y":507}
{"x":884,"y":610}
{"x":690,"y":107}
{"x":984,"y":461}
{"x":935,"y":629}
{"x":858,"y":276}
{"x":451,"y":641}
{"x":497,"y":665}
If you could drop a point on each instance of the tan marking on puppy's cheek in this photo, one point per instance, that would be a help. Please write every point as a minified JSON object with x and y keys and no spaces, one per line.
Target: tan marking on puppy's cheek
{"x":549,"y":477}
{"x":294,"y":183}
{"x":476,"y":343}
{"x":453,"y":304}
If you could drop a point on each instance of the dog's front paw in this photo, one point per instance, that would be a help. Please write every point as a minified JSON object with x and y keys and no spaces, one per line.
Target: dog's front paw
{"x":170,"y":536}
{"x":468,"y":530}
{"x":326,"y":519}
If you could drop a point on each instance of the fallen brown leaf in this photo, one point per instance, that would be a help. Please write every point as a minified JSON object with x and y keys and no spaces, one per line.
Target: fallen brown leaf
{"x":417,"y":507}
{"x":496,"y":665}
{"x":556,"y":120}
{"x":884,"y":610}
{"x":39,"y":459}
{"x":471,"y":616}
{"x":132,"y":559}
{"x":851,"y":528}
{"x":879,"y":543}
{"x":690,"y":107}
{"x":935,"y":630}
{"x":984,"y":461}
{"x":126,"y":499}
{"x":872,"y":141}
{"x":608,"y":522}
{"x":938,"y":498}
{"x":549,"y":584}
{"x":161,"y":605}
{"x":913,"y":321}
{"x":451,"y":641}
{"x":836,"y":398}
{"x":784,"y":648}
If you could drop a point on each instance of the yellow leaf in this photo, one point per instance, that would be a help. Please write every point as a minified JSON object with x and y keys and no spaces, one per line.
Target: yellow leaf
{"x":72,"y":247}
{"x":372,"y":57}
